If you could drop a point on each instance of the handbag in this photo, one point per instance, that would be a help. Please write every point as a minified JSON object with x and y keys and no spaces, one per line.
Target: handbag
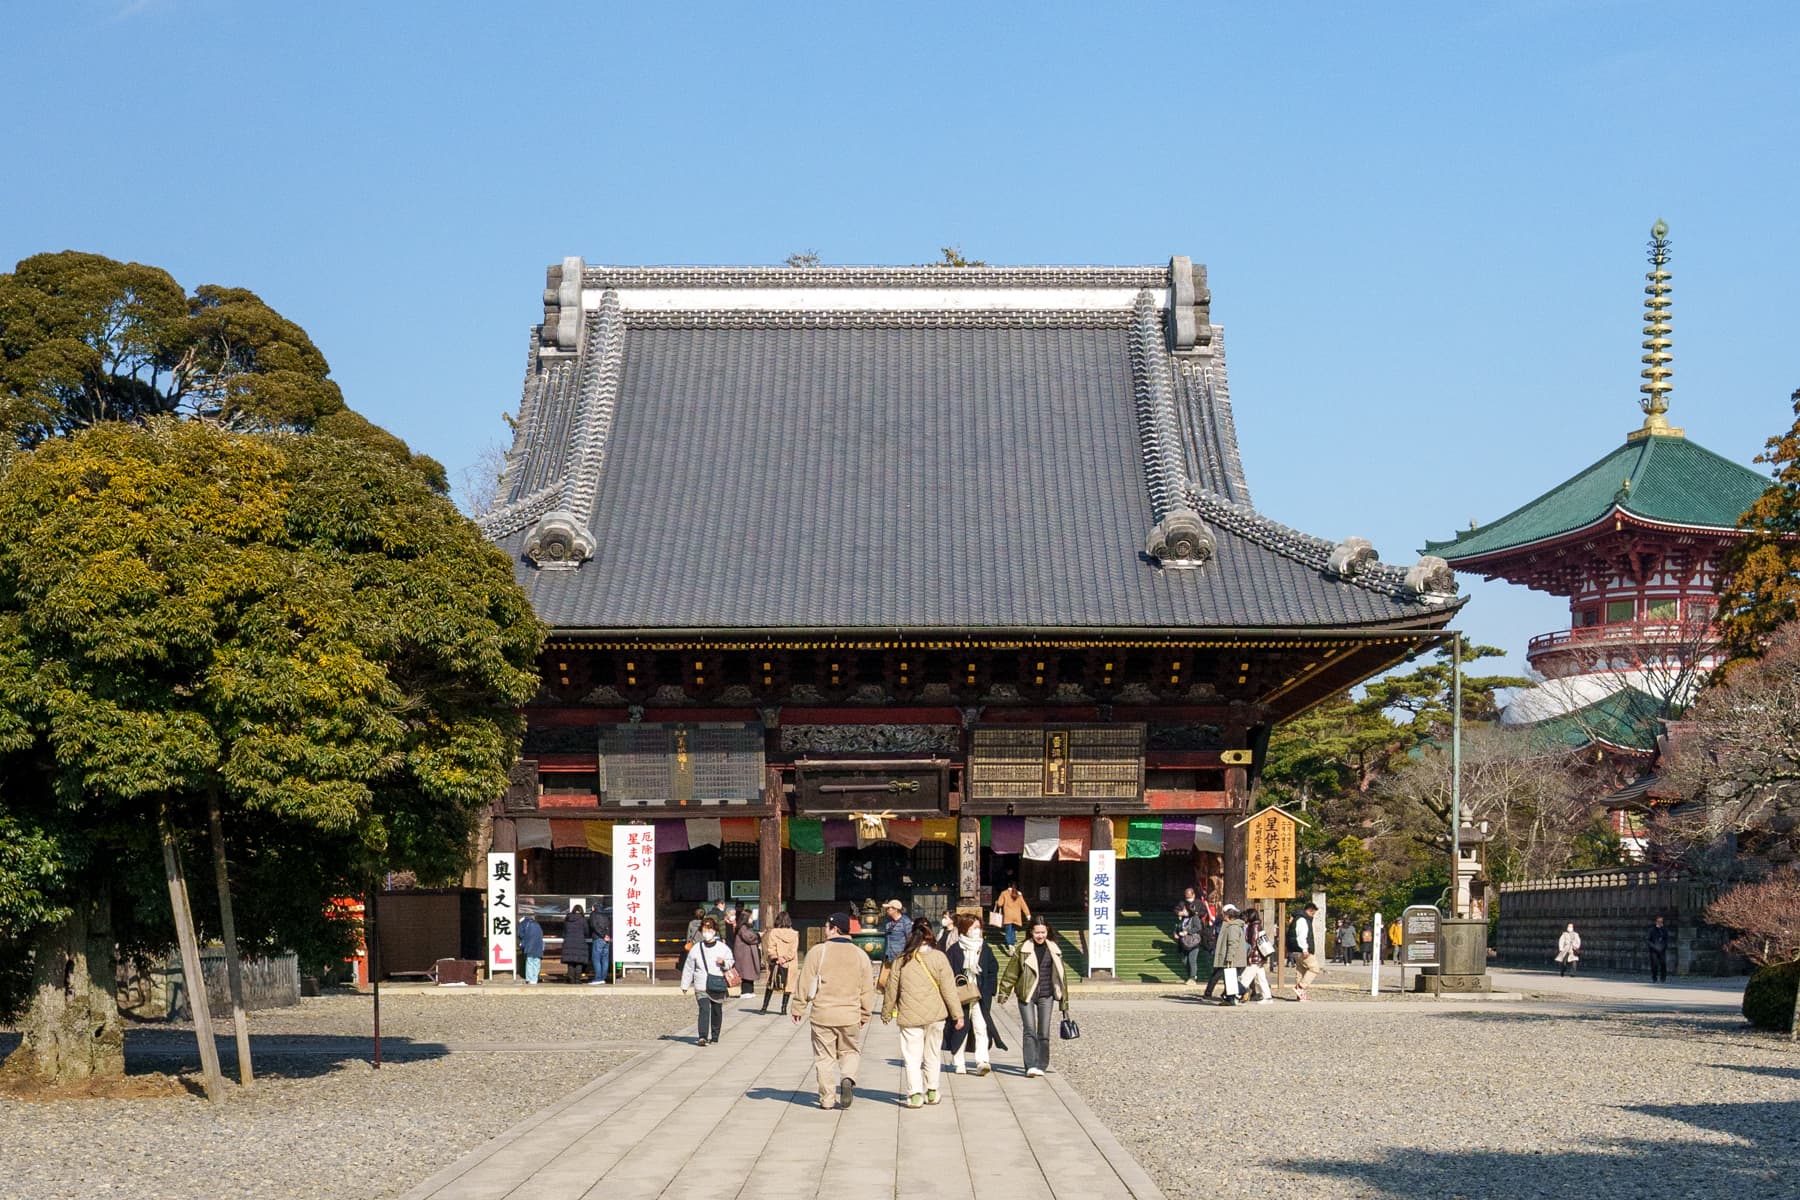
{"x":997,"y":919}
{"x":967,"y":990}
{"x":732,"y":978}
{"x":1068,"y":1031}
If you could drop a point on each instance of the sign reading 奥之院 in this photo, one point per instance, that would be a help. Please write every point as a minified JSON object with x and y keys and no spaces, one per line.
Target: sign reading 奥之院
{"x":634,"y":896}
{"x":502,"y":915}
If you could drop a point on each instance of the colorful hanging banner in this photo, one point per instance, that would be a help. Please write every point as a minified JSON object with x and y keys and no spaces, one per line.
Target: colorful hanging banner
{"x":702,"y":831}
{"x":599,"y":836}
{"x":568,"y":835}
{"x":941,"y":829}
{"x":670,"y":836}
{"x":1121,"y":842}
{"x":905,"y":833}
{"x":840,"y":835}
{"x":1178,"y":833}
{"x":534,"y":833}
{"x":1144,"y":837}
{"x":806,"y":835}
{"x":1073,"y":839}
{"x":987,"y":832}
{"x":737,"y":829}
{"x":1008,"y":836}
{"x":1043,"y":837}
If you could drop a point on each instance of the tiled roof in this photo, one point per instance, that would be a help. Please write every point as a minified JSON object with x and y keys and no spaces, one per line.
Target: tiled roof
{"x":1671,"y":480}
{"x":1626,"y":720}
{"x":903,"y":448}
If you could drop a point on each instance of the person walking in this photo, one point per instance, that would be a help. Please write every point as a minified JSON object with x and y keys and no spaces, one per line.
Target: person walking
{"x":1303,"y":944}
{"x":599,"y":928}
{"x":781,"y":953}
{"x":1190,"y":938}
{"x":693,"y":929}
{"x":1568,"y":950}
{"x":1034,"y":973}
{"x":1014,"y":912}
{"x":1258,"y":949}
{"x":531,"y":947}
{"x":921,"y":996}
{"x":1394,"y":936}
{"x":1231,"y":955}
{"x":575,"y":943}
{"x":894,"y":932}
{"x":946,"y":936}
{"x":1656,"y":943}
{"x":1346,"y":941}
{"x":703,"y":977}
{"x":976,"y":972}
{"x":1215,"y":921}
{"x":837,"y":992}
{"x":746,"y":951}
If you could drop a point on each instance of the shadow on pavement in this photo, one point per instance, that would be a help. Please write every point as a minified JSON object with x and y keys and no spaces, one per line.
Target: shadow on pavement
{"x":1757,"y":1162}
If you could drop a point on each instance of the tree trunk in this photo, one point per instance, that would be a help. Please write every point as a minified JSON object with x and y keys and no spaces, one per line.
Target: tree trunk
{"x":234,"y":969}
{"x":72,"y":1031}
{"x":192,"y":976}
{"x":1794,"y":1027}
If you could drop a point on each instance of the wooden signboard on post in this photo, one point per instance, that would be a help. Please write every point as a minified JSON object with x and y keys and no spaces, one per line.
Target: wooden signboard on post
{"x":1269,"y":849}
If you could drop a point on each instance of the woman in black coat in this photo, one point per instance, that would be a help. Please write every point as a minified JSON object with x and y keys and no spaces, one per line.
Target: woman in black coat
{"x":575,"y":943}
{"x":970,"y":955}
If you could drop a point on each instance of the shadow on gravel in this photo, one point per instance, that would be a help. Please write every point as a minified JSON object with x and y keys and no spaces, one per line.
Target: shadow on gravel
{"x":1771,"y":1072}
{"x":290,"y":1056}
{"x":1759,"y":1163}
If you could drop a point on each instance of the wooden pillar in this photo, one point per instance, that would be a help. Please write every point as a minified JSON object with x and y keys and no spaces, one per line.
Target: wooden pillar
{"x":768,"y":845}
{"x":1237,"y":846}
{"x":968,"y":854}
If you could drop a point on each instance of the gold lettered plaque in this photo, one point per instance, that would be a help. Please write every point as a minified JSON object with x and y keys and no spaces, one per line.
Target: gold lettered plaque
{"x":1270,"y":843}
{"x":1024,"y":764}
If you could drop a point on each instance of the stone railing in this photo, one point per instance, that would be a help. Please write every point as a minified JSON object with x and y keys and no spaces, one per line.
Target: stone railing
{"x":1611,"y":911}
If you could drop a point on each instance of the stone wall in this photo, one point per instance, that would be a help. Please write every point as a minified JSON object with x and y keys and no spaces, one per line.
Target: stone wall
{"x":1611,"y":911}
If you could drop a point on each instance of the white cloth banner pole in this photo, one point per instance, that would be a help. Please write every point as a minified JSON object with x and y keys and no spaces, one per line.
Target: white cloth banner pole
{"x":634,"y":897}
{"x":1103,"y":887}
{"x":1375,"y":957}
{"x":502,"y":915}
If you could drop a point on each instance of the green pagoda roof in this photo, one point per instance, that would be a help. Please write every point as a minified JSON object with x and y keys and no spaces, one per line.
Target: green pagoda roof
{"x":1661,"y":478}
{"x":1627,"y":720}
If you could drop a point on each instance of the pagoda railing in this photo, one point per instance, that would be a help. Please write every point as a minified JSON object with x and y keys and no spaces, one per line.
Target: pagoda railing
{"x":1642,"y":633}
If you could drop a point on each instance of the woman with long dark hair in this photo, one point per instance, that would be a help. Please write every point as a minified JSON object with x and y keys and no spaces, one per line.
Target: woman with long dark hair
{"x":746,"y":951}
{"x":976,"y":972}
{"x":1034,"y":972}
{"x":921,"y":995}
{"x":781,"y":951}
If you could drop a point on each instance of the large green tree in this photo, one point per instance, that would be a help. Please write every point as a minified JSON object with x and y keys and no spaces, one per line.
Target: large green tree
{"x":1759,"y":588}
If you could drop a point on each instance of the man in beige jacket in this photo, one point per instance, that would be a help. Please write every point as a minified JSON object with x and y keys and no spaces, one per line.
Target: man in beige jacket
{"x":837,"y":990}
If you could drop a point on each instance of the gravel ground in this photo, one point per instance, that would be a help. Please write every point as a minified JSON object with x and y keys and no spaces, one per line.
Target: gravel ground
{"x":1410,"y":1098}
{"x":320,"y":1121}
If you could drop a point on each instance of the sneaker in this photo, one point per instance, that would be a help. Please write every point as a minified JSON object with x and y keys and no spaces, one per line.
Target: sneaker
{"x":931,"y":1097}
{"x":846,"y":1091}
{"x":1032,"y":1072}
{"x":984,"y":1068}
{"x":828,"y":1105}
{"x":1267,"y":1000}
{"x":915,"y":1101}
{"x":702,"y":1041}
{"x":595,"y":982}
{"x":960,"y":1069}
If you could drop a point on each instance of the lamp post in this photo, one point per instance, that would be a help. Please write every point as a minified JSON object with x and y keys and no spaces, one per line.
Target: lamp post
{"x":1456,"y":775}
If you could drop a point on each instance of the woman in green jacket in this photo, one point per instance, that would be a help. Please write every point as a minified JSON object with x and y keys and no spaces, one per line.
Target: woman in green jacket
{"x":1034,"y":972}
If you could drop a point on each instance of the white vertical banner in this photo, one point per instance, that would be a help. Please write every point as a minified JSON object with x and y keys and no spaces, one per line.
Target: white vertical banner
{"x":634,"y":896}
{"x":1103,"y":909}
{"x":502,"y":914}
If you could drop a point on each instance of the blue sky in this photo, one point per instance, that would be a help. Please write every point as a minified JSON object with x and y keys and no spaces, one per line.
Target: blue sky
{"x":1424,"y":223}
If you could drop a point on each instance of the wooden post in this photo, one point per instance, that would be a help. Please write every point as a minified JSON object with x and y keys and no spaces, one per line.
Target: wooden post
{"x":769,"y":890}
{"x":1280,"y":942}
{"x":234,"y":969}
{"x":212,"y":1079}
{"x":372,"y":944}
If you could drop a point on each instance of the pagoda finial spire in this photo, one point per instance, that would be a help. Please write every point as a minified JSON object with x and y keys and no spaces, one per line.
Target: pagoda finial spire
{"x":1656,"y":372}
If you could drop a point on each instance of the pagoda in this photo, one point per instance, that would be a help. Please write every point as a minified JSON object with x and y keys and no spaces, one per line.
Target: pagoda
{"x":1634,"y":542}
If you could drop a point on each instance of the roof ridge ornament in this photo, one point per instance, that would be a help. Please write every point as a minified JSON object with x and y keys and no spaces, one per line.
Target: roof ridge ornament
{"x":562,"y":308}
{"x":1190,"y":306}
{"x":1656,"y":386}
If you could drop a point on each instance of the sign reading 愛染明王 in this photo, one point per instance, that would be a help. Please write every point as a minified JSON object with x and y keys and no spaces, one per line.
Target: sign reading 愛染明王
{"x":502,"y":914}
{"x":634,"y":895}
{"x":1103,"y":909}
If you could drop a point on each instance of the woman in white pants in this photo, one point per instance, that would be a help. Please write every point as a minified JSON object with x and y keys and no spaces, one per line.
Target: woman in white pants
{"x":920,"y":994}
{"x":971,"y":960}
{"x":1257,"y":951}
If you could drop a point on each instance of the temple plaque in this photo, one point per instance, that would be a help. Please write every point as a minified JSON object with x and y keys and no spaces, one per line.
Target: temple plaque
{"x":1056,"y":764}
{"x":702,"y":763}
{"x":900,"y":788}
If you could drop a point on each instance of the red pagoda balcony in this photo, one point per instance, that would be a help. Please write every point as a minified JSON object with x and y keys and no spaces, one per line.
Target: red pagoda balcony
{"x":1588,"y":647}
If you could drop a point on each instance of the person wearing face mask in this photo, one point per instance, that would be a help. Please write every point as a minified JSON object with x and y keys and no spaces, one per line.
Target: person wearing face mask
{"x":1034,"y":972}
{"x":975,"y":970}
{"x":703,"y":976}
{"x":946,"y":937}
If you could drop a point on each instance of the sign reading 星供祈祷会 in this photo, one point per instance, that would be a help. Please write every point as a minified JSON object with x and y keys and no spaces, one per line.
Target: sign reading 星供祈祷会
{"x":634,"y":896}
{"x":502,"y":915}
{"x":1103,"y":909}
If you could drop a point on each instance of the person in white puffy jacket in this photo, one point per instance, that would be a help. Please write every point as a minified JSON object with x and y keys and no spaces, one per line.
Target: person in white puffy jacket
{"x":1568,"y":950}
{"x":703,"y":976}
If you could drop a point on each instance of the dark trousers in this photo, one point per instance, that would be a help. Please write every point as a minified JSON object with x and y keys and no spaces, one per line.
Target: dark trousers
{"x":1659,"y":966}
{"x":1217,"y":977}
{"x":712,"y":1015}
{"x":1193,"y":963}
{"x":1035,"y":1016}
{"x":777,"y":983}
{"x":1567,"y":966}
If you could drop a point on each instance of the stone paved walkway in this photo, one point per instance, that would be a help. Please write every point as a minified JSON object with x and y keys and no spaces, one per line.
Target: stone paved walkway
{"x":740,"y":1119}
